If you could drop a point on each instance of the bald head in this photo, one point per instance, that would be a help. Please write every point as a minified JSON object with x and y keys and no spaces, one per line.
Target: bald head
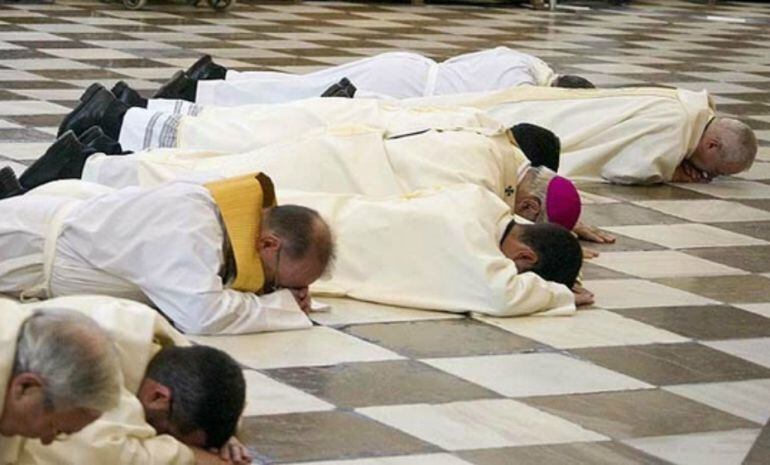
{"x":302,"y":249}
{"x":727,"y":147}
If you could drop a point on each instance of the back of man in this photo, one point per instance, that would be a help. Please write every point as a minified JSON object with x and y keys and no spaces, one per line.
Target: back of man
{"x":437,"y":249}
{"x":629,"y":136}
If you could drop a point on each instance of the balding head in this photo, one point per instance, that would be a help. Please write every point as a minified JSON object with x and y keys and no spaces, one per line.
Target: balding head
{"x":296,"y":245}
{"x":726,"y":147}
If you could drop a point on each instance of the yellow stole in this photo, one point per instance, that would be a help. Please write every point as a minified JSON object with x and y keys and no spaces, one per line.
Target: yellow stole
{"x":240,"y":201}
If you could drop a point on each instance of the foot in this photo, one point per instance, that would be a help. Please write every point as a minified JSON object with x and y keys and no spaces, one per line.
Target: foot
{"x":58,"y":158}
{"x":179,"y":87}
{"x":540,"y":146}
{"x":94,"y":140}
{"x":205,"y":69}
{"x":123,"y":92}
{"x":90,"y":91}
{"x":344,"y":89}
{"x":9,"y":183}
{"x":100,"y":109}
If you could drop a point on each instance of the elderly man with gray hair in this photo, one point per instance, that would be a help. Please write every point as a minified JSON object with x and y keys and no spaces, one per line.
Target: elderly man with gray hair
{"x":58,"y":373}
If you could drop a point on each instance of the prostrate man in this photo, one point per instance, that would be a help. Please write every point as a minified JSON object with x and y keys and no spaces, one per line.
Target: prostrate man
{"x":454,"y":249}
{"x":626,"y":136}
{"x":211,"y":258}
{"x":388,"y":75}
{"x":161,"y":369}
{"x":355,"y":159}
{"x":58,"y":372}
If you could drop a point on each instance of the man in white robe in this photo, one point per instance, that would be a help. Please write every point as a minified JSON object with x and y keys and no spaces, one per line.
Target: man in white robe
{"x":388,"y":75}
{"x":209,"y":257}
{"x":454,"y":249}
{"x":59,"y":372}
{"x":626,"y":136}
{"x":139,"y":430}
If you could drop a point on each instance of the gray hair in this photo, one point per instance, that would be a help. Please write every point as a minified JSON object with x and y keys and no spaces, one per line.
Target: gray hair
{"x":536,"y":184}
{"x":739,"y":143}
{"x":74,"y":356}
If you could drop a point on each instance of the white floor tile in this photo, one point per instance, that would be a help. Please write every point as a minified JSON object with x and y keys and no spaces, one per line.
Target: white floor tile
{"x":317,"y":346}
{"x":746,"y":399}
{"x":587,"y":198}
{"x":18,"y":75}
{"x":30,"y":107}
{"x":631,"y":293}
{"x":543,"y":374}
{"x":348,"y":311}
{"x":87,"y":53}
{"x":423,"y":459}
{"x":587,"y":328}
{"x":759,"y":309}
{"x":662,"y":264}
{"x":759,"y":170}
{"x":707,"y":211}
{"x":731,"y":189}
{"x":266,"y":396}
{"x":720,"y":448}
{"x":24,"y":151}
{"x":754,"y":350}
{"x":36,"y":64}
{"x":480,"y":424}
{"x":685,"y":236}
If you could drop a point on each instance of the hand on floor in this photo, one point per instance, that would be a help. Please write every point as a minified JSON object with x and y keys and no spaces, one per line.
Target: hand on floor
{"x":589,"y":253}
{"x":592,"y":234}
{"x":302,"y":296}
{"x":235,"y":452}
{"x":582,"y":295}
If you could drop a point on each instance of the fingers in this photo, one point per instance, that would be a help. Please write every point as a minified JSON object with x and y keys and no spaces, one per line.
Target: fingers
{"x":589,"y":253}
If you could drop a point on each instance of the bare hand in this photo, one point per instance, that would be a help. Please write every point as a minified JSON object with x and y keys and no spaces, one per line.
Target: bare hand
{"x":686,"y":172}
{"x":235,"y":452}
{"x":592,"y":234}
{"x":302,"y":296}
{"x":582,"y":295}
{"x":589,"y":253}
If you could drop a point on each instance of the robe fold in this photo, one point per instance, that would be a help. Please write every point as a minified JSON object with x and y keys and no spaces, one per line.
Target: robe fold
{"x":345,"y":159}
{"x":121,"y":435}
{"x":388,"y":75}
{"x":437,"y":249}
{"x":163,"y":246}
{"x":625,"y":136}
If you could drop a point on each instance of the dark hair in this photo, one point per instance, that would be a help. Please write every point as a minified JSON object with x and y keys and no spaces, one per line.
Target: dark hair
{"x":541,"y":146}
{"x":572,"y":81}
{"x":208,"y":390}
{"x":559,"y":256}
{"x":303,"y":231}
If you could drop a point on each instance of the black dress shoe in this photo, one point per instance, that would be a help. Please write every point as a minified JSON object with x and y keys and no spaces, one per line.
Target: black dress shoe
{"x":179,"y":87}
{"x":9,"y":183}
{"x":90,"y":91}
{"x":206,"y":69}
{"x":541,"y":146}
{"x":123,"y":92}
{"x":344,"y":89}
{"x":94,"y":140}
{"x":66,"y":150}
{"x":101,"y":109}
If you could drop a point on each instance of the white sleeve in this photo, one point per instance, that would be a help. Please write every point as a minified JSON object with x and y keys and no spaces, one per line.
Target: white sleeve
{"x":528,"y":293}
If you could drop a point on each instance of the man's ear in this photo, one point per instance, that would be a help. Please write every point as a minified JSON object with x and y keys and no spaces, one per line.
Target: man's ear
{"x":529,"y":208}
{"x":156,"y":396}
{"x":23,"y":383}
{"x":268,"y":241}
{"x":525,"y":258}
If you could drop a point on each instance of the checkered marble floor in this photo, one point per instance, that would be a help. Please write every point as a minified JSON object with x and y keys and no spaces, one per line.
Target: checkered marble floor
{"x":672,"y":364}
